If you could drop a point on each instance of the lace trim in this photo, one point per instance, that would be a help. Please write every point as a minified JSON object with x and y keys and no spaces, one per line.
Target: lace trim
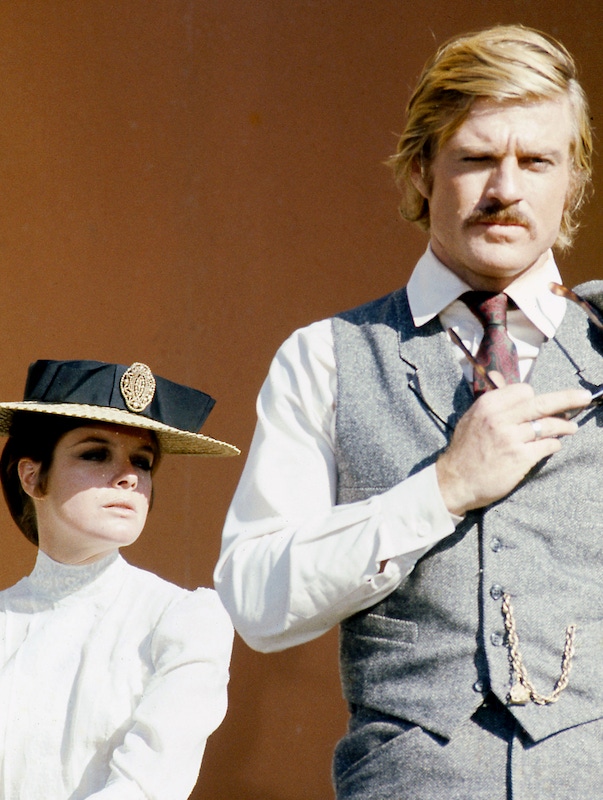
{"x":57,"y":580}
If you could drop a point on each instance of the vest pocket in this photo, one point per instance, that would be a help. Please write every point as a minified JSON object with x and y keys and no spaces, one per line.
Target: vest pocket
{"x":376,"y":626}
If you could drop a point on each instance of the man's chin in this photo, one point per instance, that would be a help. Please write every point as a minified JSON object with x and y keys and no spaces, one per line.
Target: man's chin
{"x":503,"y":254}
{"x":493,"y":268}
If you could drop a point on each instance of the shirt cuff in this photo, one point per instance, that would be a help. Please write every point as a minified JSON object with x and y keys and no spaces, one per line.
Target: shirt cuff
{"x":414,"y":516}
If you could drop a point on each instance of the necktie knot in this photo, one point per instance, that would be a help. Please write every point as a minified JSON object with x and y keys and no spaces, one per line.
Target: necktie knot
{"x":488,"y":307}
{"x":496,"y":351}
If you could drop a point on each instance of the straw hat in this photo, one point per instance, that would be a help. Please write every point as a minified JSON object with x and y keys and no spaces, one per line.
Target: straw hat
{"x":122,"y":396}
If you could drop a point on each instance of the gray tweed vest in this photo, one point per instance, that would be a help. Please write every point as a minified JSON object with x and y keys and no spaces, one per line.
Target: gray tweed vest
{"x":428,"y":652}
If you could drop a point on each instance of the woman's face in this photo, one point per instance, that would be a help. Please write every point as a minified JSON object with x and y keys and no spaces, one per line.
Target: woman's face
{"x":98,"y":491}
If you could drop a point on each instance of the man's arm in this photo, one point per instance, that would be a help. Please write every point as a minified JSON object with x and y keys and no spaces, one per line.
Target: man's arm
{"x":293,"y":563}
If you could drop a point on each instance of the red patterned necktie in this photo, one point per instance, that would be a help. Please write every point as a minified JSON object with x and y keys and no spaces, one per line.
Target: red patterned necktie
{"x":496,"y":350}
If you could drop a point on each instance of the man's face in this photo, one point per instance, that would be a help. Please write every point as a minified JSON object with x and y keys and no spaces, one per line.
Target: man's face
{"x":497,"y":190}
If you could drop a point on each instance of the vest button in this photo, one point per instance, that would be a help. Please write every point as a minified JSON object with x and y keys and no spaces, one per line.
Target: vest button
{"x":496,"y":545}
{"x":496,"y":591}
{"x":497,"y":639}
{"x":478,"y":687}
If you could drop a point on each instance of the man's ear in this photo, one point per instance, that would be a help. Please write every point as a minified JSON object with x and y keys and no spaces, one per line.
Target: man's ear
{"x":418,"y":176}
{"x":29,"y":474}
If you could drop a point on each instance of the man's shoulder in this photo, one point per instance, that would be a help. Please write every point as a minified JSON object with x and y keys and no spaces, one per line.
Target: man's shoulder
{"x":395,"y":303}
{"x":316,"y":340}
{"x":591,"y":291}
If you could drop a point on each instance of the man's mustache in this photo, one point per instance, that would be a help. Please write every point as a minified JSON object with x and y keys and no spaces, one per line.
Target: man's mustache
{"x":498,"y":216}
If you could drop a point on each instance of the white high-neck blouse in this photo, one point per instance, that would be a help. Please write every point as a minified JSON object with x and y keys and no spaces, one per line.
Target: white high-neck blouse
{"x":111,"y":680}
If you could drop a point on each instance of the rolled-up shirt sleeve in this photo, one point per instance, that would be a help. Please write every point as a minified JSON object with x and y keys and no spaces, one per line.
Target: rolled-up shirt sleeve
{"x":293,"y":563}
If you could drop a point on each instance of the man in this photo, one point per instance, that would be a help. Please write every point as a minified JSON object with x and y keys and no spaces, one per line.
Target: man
{"x":453,"y":530}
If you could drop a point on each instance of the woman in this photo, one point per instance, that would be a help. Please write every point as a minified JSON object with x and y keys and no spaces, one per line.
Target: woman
{"x":111,"y":679}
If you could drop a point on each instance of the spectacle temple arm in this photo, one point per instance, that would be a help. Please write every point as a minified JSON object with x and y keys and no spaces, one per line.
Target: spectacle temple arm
{"x":592,"y":313}
{"x":479,"y":368}
{"x":596,"y":400}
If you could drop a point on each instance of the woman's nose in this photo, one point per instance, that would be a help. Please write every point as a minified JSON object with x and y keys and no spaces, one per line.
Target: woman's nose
{"x":125,"y":477}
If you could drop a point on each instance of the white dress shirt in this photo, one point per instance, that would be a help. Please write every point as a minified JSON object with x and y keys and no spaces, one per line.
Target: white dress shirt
{"x":111,"y":680}
{"x":294,"y":564}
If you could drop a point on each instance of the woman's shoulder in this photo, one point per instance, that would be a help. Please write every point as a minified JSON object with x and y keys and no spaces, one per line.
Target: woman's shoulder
{"x":180,"y":609}
{"x":144,"y":578}
{"x":194,"y":627}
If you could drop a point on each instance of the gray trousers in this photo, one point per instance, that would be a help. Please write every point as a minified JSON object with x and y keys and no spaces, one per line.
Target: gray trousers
{"x":488,"y":758}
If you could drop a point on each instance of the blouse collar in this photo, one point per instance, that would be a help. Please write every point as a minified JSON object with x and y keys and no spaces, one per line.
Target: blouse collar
{"x":56,"y":580}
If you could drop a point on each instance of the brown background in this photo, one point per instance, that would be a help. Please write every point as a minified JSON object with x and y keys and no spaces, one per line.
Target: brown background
{"x":184,"y":183}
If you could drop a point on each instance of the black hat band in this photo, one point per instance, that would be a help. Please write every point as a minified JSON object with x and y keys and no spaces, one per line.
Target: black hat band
{"x":134,"y":389}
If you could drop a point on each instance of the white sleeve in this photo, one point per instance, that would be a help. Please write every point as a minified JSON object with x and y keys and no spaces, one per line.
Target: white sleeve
{"x":183,"y":703}
{"x":294,"y":564}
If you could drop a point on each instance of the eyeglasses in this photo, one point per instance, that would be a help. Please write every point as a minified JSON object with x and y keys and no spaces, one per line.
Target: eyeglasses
{"x":592,"y":313}
{"x":595,"y":317}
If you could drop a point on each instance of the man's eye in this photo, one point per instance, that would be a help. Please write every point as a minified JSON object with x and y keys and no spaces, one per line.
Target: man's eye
{"x":537,"y":162}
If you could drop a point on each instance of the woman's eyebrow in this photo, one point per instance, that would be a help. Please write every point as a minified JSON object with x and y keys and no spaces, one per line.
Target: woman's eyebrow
{"x":98,"y":439}
{"x":91,"y":440}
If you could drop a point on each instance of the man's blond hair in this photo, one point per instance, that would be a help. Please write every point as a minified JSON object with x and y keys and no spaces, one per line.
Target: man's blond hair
{"x":506,"y":64}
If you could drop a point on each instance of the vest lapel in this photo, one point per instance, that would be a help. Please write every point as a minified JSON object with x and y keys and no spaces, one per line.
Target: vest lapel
{"x":435,"y":375}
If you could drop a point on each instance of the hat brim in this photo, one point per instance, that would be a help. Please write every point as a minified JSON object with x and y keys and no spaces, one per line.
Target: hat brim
{"x":171,"y":440}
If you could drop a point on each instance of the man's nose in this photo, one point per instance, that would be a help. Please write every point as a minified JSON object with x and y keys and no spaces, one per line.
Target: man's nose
{"x":504,"y":182}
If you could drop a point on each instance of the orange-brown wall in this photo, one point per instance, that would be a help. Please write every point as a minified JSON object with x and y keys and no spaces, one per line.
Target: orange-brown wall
{"x":184,"y":182}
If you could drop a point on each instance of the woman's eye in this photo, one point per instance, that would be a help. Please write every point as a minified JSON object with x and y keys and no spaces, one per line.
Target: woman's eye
{"x":143,"y":463}
{"x":96,"y":454}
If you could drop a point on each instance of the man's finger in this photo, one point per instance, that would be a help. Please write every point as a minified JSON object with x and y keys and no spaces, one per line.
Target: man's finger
{"x":555,"y":403}
{"x":498,"y":379}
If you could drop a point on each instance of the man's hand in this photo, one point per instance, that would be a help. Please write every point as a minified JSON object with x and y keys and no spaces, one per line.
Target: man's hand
{"x":495,"y":443}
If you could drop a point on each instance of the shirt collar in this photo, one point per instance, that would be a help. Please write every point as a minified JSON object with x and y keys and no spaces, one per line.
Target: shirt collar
{"x":432,"y":287}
